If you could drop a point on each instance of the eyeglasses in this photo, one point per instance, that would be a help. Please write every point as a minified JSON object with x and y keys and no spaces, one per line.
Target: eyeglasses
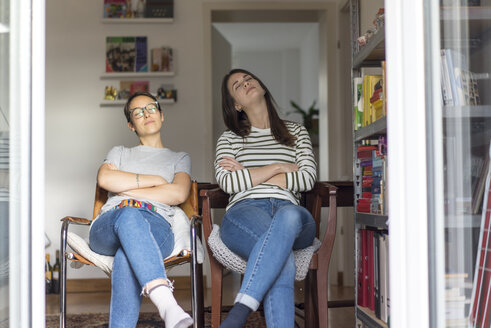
{"x":150,"y":108}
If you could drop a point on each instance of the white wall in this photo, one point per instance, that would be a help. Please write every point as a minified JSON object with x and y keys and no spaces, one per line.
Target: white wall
{"x":79,"y":132}
{"x":278,"y":69}
{"x":309,"y":68}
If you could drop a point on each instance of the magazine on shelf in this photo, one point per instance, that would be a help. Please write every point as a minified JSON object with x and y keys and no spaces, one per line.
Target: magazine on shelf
{"x":126,"y":54}
{"x":115,"y":8}
{"x":162,"y":59}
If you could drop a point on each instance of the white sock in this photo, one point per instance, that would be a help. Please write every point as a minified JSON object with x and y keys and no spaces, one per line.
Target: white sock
{"x":173,"y":315}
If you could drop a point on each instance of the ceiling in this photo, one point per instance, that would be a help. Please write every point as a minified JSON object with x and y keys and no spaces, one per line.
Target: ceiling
{"x":264,"y":36}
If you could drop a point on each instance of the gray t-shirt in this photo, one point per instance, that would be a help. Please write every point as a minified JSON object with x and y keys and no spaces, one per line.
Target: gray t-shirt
{"x":147,"y":160}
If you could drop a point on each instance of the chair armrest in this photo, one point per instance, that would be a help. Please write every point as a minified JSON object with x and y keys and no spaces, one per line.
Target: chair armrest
{"x":75,"y":220}
{"x":327,"y":246}
{"x":211,"y":198}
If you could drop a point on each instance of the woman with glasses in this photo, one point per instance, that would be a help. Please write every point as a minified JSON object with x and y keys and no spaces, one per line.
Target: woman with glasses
{"x":264,"y":163}
{"x":144,"y":183}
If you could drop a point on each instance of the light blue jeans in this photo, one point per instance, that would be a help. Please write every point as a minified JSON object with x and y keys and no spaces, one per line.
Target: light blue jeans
{"x":139,"y":239}
{"x":265,"y":232}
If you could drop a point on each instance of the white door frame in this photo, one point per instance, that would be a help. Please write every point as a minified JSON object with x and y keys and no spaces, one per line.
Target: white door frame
{"x":415,"y":163}
{"x":328,"y":92}
{"x":26,"y":209}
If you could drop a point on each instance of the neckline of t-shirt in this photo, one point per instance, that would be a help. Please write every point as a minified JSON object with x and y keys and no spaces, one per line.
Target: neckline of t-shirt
{"x":253,"y":128}
{"x":149,"y":148}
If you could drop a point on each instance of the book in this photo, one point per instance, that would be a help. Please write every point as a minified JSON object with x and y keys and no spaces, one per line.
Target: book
{"x":376,"y":273}
{"x":115,"y":8}
{"x":371,"y":270}
{"x":359,"y":260}
{"x":126,"y":54}
{"x":447,"y":98}
{"x":358,"y":101}
{"x":455,"y":62}
{"x":478,"y":187}
{"x":127,"y":88}
{"x":159,"y":8}
{"x":383,"y":280}
{"x":139,"y":86}
{"x":162,"y":59}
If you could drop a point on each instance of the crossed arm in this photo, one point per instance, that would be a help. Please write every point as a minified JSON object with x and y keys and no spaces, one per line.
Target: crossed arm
{"x":146,"y":186}
{"x":272,"y":173}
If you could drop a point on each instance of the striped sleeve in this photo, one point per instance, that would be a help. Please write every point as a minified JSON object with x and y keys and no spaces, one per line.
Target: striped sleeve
{"x":230,"y":182}
{"x":304,"y":178}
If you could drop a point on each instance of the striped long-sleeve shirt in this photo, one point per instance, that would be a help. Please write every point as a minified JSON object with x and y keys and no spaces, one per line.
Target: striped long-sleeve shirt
{"x":258,"y":149}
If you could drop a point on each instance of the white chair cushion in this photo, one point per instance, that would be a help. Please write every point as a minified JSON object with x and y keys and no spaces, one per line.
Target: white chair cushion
{"x":181,"y":227}
{"x":234,"y":262}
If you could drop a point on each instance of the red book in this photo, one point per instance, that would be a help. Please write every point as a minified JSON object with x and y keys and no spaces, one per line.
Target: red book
{"x":367,"y":147}
{"x":359,"y":261}
{"x":364,"y":254}
{"x":371,"y":272}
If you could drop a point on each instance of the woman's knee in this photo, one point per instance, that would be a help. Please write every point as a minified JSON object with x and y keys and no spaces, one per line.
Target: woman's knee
{"x":127,"y":216}
{"x":292,"y":217}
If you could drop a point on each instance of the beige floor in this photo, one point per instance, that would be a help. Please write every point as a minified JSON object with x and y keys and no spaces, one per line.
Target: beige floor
{"x":99,"y":302}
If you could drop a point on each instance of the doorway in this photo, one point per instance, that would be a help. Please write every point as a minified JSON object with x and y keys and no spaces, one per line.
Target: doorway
{"x":219,"y":58}
{"x":322,"y":14}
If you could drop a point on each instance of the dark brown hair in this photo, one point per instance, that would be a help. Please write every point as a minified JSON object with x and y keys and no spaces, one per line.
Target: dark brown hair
{"x":238,"y":122}
{"x":133,"y":96}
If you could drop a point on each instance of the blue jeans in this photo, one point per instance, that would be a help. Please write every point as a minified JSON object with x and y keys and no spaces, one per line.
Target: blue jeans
{"x":265,"y":232}
{"x":139,"y":239}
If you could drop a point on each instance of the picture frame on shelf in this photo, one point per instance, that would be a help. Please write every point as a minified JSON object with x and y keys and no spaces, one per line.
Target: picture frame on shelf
{"x":126,"y":54}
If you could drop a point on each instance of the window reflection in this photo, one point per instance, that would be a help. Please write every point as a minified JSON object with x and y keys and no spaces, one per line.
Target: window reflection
{"x":465,"y":67}
{"x":4,"y":162}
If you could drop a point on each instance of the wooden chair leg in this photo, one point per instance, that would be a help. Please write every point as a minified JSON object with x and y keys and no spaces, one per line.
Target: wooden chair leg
{"x":322,"y":302}
{"x":216,"y":296}
{"x":311,"y":307}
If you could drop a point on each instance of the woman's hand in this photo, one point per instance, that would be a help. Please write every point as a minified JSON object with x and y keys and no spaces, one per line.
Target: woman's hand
{"x":230,"y":164}
{"x":288,"y":167}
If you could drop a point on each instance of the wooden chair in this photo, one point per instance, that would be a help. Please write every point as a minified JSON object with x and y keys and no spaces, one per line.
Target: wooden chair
{"x":190,"y":207}
{"x":323,"y":194}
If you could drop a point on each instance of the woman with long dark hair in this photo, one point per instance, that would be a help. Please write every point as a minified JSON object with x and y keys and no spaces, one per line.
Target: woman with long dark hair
{"x":264,"y":163}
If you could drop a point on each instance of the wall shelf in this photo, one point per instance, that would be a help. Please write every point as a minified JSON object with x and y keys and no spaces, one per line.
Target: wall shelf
{"x":373,"y":51}
{"x":121,"y":102}
{"x":378,"y":127}
{"x":372,"y":220}
{"x":130,"y":75}
{"x":142,"y":20}
{"x":481,"y":111}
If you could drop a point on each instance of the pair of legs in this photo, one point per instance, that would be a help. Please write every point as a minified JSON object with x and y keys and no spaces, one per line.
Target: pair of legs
{"x":139,"y":239}
{"x":265,"y":232}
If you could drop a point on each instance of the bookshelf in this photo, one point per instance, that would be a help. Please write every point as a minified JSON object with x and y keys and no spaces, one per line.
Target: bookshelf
{"x":122,"y":78}
{"x":367,"y":314}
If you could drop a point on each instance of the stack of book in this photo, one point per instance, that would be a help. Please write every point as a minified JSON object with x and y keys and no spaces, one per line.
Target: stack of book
{"x":373,"y":272}
{"x":459,"y":85}
{"x":369,"y":96}
{"x":371,"y":177}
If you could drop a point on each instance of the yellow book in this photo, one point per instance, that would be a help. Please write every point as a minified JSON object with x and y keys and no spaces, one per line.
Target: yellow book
{"x":369,"y":83}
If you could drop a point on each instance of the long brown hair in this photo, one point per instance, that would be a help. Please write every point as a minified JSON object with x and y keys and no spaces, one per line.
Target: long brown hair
{"x":238,"y":122}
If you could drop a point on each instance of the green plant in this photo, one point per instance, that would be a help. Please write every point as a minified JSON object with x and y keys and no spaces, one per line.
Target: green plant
{"x":309,"y":116}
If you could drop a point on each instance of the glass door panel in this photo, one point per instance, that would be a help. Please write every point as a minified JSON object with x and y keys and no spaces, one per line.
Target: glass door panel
{"x":465,"y":84}
{"x":4,"y":162}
